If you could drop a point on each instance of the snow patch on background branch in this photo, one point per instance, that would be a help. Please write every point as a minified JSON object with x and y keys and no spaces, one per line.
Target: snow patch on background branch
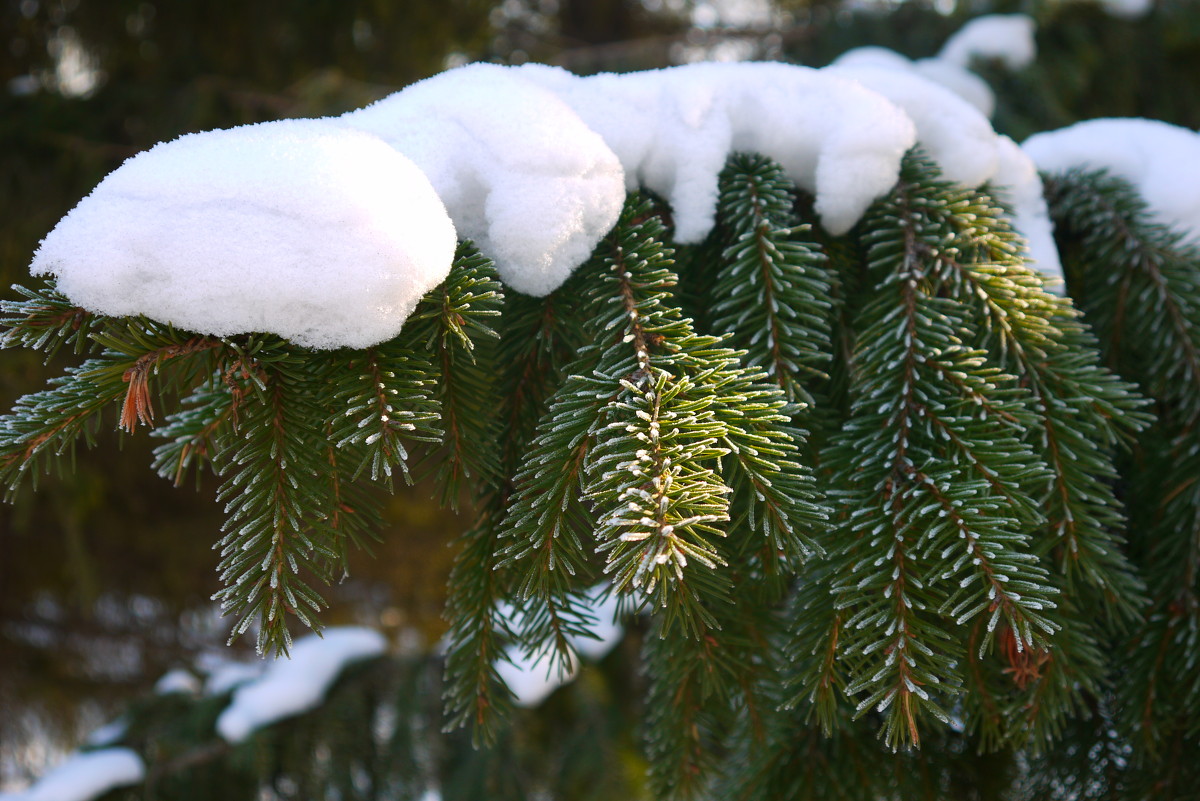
{"x":84,"y":776}
{"x":299,"y":683}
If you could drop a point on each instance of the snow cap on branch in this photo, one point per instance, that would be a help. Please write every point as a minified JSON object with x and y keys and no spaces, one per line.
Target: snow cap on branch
{"x":519,"y":172}
{"x":302,"y":228}
{"x":1162,"y":161}
{"x":674,"y":128}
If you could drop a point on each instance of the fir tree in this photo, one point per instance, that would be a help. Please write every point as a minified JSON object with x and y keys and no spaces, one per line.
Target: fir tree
{"x":862,"y":498}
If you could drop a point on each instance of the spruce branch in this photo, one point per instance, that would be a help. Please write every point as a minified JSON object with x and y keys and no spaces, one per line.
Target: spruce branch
{"x":455,"y":324}
{"x":772,"y":291}
{"x":277,"y":536}
{"x":45,"y":320}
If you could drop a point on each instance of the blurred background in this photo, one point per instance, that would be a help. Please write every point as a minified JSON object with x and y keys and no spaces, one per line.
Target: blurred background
{"x":106,"y":573}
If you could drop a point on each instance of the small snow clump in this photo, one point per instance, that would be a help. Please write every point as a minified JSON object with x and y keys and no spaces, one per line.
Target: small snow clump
{"x":302,"y":228}
{"x":298,"y":683}
{"x":1128,"y":9}
{"x":519,"y":172}
{"x":1007,"y":38}
{"x":177,"y":680}
{"x":1161,"y":160}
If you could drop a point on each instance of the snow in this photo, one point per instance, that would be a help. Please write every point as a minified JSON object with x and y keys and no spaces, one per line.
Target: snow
{"x":225,"y":677}
{"x":958,"y":79}
{"x":519,"y":172}
{"x":1128,"y":9}
{"x":177,"y":681}
{"x":108,"y":734}
{"x":674,"y":128}
{"x":961,"y":141}
{"x":1007,"y":38}
{"x":952,"y":131}
{"x":299,"y":683}
{"x":303,"y":228}
{"x":328,"y":232}
{"x":533,"y":677}
{"x":85,"y":775}
{"x":1018,"y":184}
{"x":1162,"y":161}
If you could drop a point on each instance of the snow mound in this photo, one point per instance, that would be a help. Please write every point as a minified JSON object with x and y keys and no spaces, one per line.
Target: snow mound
{"x":86,"y":775}
{"x":299,"y":683}
{"x":1007,"y":38}
{"x":519,"y":172}
{"x":674,"y":128}
{"x":1162,"y":161}
{"x":958,"y":79}
{"x":302,"y":228}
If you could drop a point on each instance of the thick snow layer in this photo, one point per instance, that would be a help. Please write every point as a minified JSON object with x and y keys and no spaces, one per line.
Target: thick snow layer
{"x":532,"y":678}
{"x":1007,"y":38}
{"x":958,"y":79}
{"x":674,"y":128}
{"x":519,"y":172}
{"x":299,"y":683}
{"x":1018,"y":184}
{"x":86,"y":775}
{"x":303,"y":228}
{"x":1162,"y":161}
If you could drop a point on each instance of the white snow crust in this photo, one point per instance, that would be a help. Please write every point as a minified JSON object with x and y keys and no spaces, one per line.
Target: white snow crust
{"x":1161,"y":160}
{"x":532,"y":678}
{"x":303,"y":228}
{"x":299,"y":683}
{"x":86,"y":775}
{"x":674,"y":128}
{"x":1007,"y":38}
{"x":519,"y":172}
